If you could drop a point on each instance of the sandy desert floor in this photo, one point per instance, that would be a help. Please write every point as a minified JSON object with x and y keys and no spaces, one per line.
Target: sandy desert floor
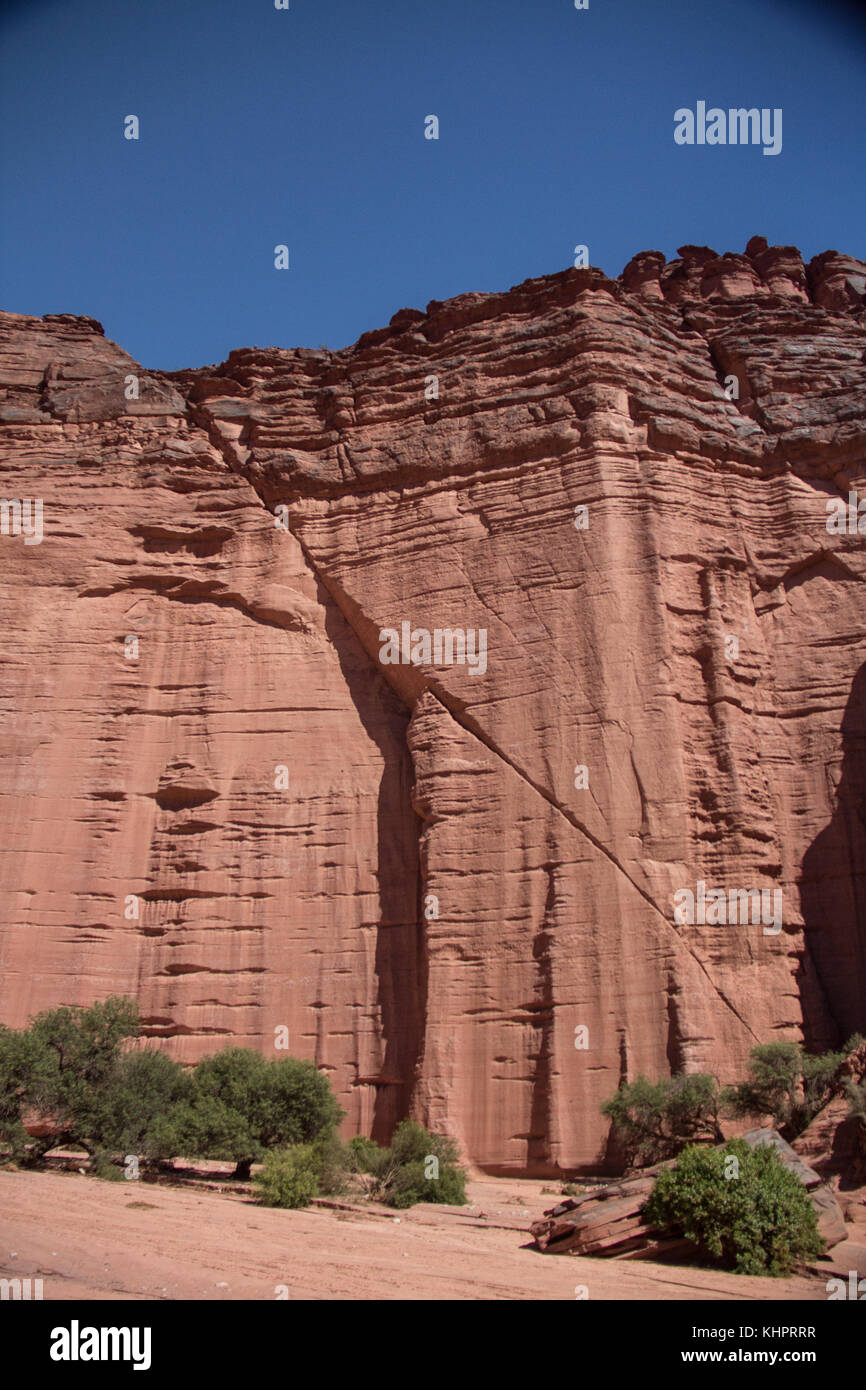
{"x":140,"y":1240}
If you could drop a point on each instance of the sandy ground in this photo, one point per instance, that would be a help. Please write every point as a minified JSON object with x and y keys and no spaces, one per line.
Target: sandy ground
{"x":136,"y":1240}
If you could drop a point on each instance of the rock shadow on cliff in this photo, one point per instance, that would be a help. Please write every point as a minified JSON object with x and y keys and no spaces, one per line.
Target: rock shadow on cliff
{"x":833,"y":896}
{"x":400,"y":951}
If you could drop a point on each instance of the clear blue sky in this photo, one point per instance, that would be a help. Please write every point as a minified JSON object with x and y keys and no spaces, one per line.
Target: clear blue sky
{"x":306,"y":127}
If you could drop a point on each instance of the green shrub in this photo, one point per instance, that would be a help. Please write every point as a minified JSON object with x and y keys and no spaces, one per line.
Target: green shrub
{"x":366,"y":1156}
{"x":71,"y":1070}
{"x":412,"y":1143}
{"x":288,"y":1177}
{"x":103,"y":1166}
{"x":653,"y":1120}
{"x":333,"y":1164}
{"x":410,"y":1183}
{"x":758,"y":1222}
{"x":418,"y":1167}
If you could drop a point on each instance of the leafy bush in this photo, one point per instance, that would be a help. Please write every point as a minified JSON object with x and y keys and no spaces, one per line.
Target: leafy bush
{"x":411,"y":1183}
{"x":289,"y":1177}
{"x":102,"y":1165}
{"x":653,"y":1120}
{"x":333,"y":1164}
{"x":366,"y":1155}
{"x":759,"y":1222}
{"x":82,"y":1043}
{"x":418,"y":1167}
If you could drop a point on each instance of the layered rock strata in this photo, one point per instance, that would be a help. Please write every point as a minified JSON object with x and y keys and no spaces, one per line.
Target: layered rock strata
{"x":455,"y":882}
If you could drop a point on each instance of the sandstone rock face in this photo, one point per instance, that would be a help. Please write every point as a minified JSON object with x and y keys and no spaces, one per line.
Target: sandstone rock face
{"x":455,"y":882}
{"x":207,"y":800}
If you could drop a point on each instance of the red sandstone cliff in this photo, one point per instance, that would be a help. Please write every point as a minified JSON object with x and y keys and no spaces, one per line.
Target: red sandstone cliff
{"x":152,"y":784}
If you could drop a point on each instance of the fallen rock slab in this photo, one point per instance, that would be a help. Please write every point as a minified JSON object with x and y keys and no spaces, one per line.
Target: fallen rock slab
{"x":605,"y":1222}
{"x":761,"y":1138}
{"x":831,"y":1218}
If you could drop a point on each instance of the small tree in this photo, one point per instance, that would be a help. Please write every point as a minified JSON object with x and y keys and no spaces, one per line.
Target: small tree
{"x":855,"y":1093}
{"x":18,"y":1056}
{"x":74,"y":1052}
{"x":144,"y":1107}
{"x":301,"y":1105}
{"x":772,"y":1085}
{"x":653,"y":1120}
{"x":754,"y":1216}
{"x":244,"y":1105}
{"x":227,"y":1107}
{"x":787,"y":1083}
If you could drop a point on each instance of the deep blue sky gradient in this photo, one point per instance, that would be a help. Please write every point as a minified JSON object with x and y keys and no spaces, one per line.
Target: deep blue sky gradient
{"x":306,"y":127}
